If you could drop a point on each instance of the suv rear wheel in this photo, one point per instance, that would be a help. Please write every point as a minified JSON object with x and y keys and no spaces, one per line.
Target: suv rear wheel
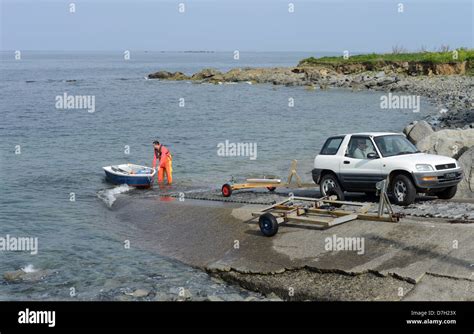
{"x":403,"y":190}
{"x":329,"y":185}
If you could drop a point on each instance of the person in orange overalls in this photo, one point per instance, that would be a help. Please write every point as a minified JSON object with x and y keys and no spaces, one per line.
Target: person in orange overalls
{"x":163,"y":155}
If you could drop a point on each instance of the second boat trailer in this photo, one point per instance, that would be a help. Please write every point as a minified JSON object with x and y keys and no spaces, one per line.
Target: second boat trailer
{"x":323,"y":212}
{"x":270,"y":183}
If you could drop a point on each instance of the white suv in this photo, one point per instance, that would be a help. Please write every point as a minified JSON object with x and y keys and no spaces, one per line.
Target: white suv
{"x":355,"y":162}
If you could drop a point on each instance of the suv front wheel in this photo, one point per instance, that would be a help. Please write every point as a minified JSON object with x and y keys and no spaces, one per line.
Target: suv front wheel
{"x":403,"y":190}
{"x":447,"y":193}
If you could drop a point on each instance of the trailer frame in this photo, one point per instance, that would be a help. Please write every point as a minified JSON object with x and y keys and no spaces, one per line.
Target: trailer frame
{"x":323,"y":212}
{"x":293,"y":182}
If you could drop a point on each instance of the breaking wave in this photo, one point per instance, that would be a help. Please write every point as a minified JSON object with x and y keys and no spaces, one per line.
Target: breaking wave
{"x":109,"y":196}
{"x":29,"y":269}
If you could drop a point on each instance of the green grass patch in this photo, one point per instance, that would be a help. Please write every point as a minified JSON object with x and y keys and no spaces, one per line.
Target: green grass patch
{"x":470,"y":67}
{"x":431,"y":57}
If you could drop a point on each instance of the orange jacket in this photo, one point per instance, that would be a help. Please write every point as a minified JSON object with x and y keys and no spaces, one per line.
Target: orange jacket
{"x":163,"y":155}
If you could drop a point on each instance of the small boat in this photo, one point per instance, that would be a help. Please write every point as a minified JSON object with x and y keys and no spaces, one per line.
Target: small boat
{"x":133,"y":175}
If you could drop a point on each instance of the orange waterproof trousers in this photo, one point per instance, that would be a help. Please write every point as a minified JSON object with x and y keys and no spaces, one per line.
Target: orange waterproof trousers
{"x":166,"y":168}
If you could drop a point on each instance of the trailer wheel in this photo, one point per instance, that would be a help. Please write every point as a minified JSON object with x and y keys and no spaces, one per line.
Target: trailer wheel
{"x":271,"y":189}
{"x":226,"y":190}
{"x":268,"y":224}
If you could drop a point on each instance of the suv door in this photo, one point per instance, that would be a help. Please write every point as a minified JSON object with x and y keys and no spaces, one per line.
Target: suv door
{"x":357,"y":171}
{"x":328,"y":159}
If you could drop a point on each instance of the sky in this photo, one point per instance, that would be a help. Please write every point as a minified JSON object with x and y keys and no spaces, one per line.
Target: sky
{"x":224,"y":25}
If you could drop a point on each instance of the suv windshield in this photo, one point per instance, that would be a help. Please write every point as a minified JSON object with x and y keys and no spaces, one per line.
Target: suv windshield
{"x":394,"y":145}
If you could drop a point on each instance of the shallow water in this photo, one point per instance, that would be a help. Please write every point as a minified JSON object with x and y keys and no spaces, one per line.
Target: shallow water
{"x":63,"y":152}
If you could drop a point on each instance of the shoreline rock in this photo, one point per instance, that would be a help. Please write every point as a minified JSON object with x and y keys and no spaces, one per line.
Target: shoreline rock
{"x":466,"y":186}
{"x":448,"y":142}
{"x":165,"y":75}
{"x":21,"y":275}
{"x":406,"y":67}
{"x":417,"y":131}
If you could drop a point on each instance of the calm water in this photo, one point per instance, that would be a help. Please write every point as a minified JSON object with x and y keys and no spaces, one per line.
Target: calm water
{"x":63,"y":151}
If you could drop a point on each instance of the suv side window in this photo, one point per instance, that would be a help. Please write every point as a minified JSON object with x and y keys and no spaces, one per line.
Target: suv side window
{"x":359,"y":147}
{"x":331,"y":146}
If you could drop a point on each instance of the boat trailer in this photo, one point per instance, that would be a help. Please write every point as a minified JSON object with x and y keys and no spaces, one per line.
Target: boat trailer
{"x":270,"y":183}
{"x":323,"y":212}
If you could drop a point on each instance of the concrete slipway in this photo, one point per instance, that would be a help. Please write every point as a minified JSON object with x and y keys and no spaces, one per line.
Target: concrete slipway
{"x":416,"y":259}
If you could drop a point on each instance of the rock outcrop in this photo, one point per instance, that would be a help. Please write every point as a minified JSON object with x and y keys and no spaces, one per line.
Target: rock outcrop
{"x":276,"y":76}
{"x":417,"y":131}
{"x":165,"y":75}
{"x":21,"y":275}
{"x":466,"y":186}
{"x":451,"y":143}
{"x":207,"y":73}
{"x":406,"y":67}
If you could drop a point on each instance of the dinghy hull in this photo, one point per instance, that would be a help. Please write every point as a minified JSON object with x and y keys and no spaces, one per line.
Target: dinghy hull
{"x":132,"y":175}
